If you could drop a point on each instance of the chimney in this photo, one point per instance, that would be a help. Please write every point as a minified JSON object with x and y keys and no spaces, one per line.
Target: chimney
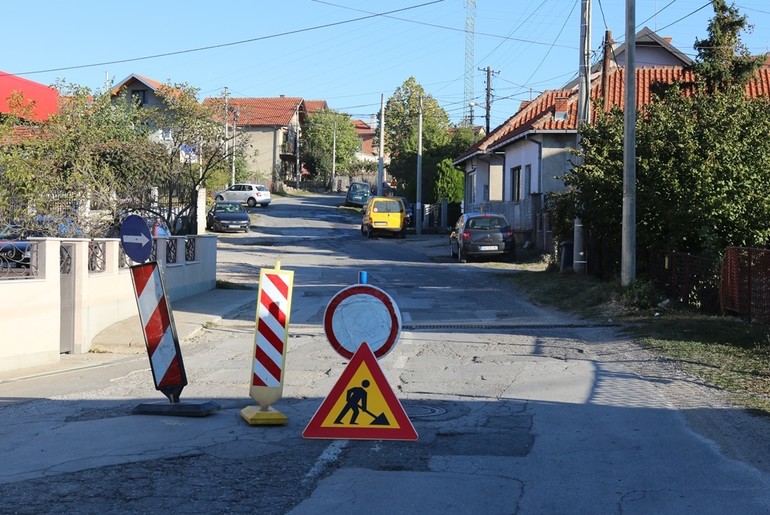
{"x":561,"y":108}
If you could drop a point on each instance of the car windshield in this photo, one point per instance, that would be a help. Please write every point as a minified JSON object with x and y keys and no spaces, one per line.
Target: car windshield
{"x":486,"y":223}
{"x":357,"y":187}
{"x":387,"y":206}
{"x":228,"y":208}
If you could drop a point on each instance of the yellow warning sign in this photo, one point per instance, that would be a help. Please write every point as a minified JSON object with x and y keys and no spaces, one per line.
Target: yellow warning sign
{"x":361,"y":405}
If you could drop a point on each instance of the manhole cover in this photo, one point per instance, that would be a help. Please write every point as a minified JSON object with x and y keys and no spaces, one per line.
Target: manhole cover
{"x":422,"y":411}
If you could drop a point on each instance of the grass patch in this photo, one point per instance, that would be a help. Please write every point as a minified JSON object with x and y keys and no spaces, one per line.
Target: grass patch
{"x":721,"y":351}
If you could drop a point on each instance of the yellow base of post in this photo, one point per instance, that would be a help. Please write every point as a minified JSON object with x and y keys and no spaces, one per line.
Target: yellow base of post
{"x":255,"y":416}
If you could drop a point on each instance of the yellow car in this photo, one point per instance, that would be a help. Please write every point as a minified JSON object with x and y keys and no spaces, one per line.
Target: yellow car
{"x":384,"y":215}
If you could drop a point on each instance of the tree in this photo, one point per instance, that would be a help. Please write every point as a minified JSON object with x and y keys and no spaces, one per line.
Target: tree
{"x":702,"y":161}
{"x":73,"y":162}
{"x":401,"y":131}
{"x":449,"y":183}
{"x":329,"y":133}
{"x":104,"y":154}
{"x":194,"y":146}
{"x":723,"y":60}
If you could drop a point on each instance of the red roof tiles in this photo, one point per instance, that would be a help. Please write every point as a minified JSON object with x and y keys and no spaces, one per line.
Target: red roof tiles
{"x":538,"y":115}
{"x":273,"y":112}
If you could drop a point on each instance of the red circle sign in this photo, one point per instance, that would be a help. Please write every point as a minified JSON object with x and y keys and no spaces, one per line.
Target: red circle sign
{"x":362,"y":313}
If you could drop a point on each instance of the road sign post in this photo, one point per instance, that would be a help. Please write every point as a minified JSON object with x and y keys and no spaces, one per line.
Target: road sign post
{"x":362,"y":323}
{"x":361,"y":405}
{"x":270,"y":339}
{"x":359,"y":313}
{"x":136,"y":238}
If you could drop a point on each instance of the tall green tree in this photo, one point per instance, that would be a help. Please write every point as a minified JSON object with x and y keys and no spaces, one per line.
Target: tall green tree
{"x":329,"y":134}
{"x":401,"y":131}
{"x":449,"y":183}
{"x":723,"y":61}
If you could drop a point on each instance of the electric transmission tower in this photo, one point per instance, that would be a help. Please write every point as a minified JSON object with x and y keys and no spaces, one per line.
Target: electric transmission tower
{"x":470,"y":36}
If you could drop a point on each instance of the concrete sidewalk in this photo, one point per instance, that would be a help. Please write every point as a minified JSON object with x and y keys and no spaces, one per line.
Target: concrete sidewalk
{"x":191,"y":314}
{"x":126,"y":337}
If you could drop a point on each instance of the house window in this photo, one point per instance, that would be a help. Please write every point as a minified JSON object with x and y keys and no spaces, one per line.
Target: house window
{"x":528,"y":179}
{"x":472,"y":186}
{"x":139,"y":95}
{"x":516,"y":183}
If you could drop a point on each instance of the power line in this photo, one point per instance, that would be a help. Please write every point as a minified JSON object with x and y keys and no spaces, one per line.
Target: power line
{"x":234,"y":43}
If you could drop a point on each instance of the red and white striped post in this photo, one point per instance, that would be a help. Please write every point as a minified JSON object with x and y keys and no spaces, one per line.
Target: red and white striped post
{"x":270,"y":339}
{"x":162,"y":343}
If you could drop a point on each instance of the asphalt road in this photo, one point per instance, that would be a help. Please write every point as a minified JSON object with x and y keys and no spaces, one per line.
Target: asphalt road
{"x":518,"y":409}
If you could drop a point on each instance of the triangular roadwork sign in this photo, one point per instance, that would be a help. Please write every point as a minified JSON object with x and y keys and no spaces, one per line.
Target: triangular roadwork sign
{"x":361,"y":406}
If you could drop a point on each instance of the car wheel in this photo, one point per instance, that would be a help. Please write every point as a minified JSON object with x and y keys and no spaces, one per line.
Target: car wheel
{"x":220,"y":198}
{"x":251,"y":202}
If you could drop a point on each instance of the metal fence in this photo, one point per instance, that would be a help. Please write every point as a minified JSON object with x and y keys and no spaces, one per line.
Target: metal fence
{"x":739,"y":284}
{"x":745,"y":284}
{"x":687,"y":279}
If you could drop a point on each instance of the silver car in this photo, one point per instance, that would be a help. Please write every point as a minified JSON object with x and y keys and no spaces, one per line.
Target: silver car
{"x":250,"y":194}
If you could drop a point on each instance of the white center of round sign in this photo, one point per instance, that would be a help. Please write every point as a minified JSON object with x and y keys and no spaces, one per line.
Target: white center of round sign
{"x":362,"y":313}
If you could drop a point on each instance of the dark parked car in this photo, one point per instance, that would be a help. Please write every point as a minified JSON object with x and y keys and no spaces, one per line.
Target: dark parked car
{"x":227,"y":216}
{"x":409,"y":220}
{"x":481,"y":234}
{"x":15,"y":250}
{"x":358,"y":194}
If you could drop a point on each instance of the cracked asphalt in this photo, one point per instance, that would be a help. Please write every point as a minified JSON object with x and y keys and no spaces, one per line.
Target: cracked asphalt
{"x":518,"y":409}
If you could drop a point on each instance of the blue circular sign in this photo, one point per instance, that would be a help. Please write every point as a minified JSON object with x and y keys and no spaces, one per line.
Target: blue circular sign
{"x":136,"y":238}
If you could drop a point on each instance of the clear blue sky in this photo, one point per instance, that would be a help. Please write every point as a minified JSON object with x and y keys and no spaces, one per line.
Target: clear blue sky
{"x":336,"y":50}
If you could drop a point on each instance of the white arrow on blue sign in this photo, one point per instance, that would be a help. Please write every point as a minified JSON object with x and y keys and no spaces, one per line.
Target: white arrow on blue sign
{"x":136,"y":238}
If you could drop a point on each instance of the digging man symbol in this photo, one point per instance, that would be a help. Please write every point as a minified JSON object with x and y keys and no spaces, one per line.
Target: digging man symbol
{"x":354,"y":396}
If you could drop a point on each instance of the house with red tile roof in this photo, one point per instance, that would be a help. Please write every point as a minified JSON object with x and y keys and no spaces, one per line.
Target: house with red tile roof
{"x":313,"y":106}
{"x":365,"y":133}
{"x":512,"y":169}
{"x":141,"y":88}
{"x":271,"y":128}
{"x":38,"y":101}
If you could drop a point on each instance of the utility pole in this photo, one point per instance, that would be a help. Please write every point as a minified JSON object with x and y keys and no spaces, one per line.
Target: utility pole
{"x":489,"y":71}
{"x":579,"y":263}
{"x":418,"y":212}
{"x":628,"y":252}
{"x":227,"y":114}
{"x":380,"y":161}
{"x":235,"y":129}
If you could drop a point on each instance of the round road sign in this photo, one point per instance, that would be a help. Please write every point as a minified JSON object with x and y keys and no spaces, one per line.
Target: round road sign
{"x":362,"y":313}
{"x":136,"y":238}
